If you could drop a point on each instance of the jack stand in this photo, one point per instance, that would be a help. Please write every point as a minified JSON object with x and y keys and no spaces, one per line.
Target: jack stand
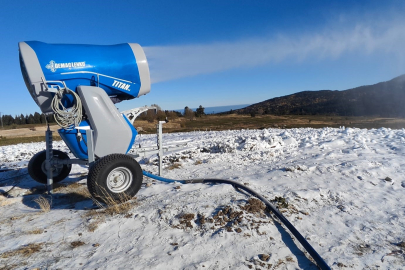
{"x":49,"y":161}
{"x":159,"y":144}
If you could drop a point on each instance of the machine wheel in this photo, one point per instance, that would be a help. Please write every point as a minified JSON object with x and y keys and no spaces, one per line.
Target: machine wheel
{"x":37,"y":169}
{"x":114,"y":178}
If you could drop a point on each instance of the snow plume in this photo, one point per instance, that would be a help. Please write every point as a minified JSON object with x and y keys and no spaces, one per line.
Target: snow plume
{"x":177,"y":61}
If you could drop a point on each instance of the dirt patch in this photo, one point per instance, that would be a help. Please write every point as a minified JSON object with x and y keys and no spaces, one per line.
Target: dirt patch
{"x":281,"y":202}
{"x":254,"y":206}
{"x":44,"y":204}
{"x":27,"y":132}
{"x":186,"y":219}
{"x":76,"y":244}
{"x":244,"y":217}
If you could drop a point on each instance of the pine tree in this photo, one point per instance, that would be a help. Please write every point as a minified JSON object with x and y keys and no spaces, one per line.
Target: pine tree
{"x":37,"y":118}
{"x":30,"y":119}
{"x":200,"y":111}
{"x":17,"y":120}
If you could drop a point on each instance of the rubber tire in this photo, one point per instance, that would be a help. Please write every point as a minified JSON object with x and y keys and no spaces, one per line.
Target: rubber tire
{"x":98,"y":173}
{"x":35,"y":167}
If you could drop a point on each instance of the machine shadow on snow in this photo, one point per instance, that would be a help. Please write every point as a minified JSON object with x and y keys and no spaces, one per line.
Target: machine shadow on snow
{"x":69,"y":194}
{"x":58,"y":201}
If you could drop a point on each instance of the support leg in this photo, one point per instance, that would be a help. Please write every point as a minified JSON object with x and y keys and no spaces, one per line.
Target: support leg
{"x":90,"y":146}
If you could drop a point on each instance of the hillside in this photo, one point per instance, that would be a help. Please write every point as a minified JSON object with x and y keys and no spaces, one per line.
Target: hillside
{"x":384,"y":99}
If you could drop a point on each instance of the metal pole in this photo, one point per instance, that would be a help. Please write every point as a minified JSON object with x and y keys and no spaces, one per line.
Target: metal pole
{"x":48,"y":161}
{"x":159,"y":145}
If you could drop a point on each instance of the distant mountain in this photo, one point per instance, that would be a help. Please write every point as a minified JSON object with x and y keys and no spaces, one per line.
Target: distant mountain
{"x":385,"y":99}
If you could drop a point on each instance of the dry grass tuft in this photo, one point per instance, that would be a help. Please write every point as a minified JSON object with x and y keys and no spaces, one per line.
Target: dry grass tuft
{"x":119,"y":206}
{"x":289,"y":259}
{"x":174,"y":166}
{"x":198,"y":162}
{"x":43,"y":203}
{"x":26,"y":250}
{"x":35,"y":231}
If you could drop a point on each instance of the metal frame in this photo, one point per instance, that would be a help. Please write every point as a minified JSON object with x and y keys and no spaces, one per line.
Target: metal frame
{"x":50,"y":162}
{"x":160,"y":149}
{"x":132,"y":114}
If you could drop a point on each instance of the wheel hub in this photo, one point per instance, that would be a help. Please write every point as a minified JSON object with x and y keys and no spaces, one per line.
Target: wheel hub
{"x":55,"y":169}
{"x":119,"y":179}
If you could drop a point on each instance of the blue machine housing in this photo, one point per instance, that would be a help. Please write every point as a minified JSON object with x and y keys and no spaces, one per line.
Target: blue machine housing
{"x":79,"y":146}
{"x":120,"y":70}
{"x":93,"y":65}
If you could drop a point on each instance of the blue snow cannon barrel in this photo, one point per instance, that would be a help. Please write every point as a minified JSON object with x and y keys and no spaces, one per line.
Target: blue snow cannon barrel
{"x":120,"y":70}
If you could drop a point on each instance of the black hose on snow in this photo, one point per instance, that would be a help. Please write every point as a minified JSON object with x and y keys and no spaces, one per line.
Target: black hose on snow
{"x":318,"y":259}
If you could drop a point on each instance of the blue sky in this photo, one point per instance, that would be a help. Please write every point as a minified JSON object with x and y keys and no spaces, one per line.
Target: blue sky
{"x":215,"y":53}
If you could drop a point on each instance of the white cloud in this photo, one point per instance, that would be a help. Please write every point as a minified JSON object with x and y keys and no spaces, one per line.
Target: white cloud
{"x":173,"y":62}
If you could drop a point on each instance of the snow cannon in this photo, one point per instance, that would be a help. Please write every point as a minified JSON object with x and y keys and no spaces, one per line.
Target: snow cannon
{"x":79,"y":85}
{"x":120,"y":70}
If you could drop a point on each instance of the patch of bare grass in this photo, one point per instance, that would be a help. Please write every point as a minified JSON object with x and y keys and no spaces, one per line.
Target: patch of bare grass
{"x":77,"y":188}
{"x":25,"y":251}
{"x":43,"y":204}
{"x":10,"y":141}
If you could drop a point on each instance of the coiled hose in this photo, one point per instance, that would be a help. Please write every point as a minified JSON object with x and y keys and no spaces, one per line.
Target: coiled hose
{"x":318,"y":259}
{"x":67,"y":118}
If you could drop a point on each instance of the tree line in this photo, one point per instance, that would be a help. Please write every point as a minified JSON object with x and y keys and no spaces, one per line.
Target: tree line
{"x":22,"y":119}
{"x":150,"y":115}
{"x":161,"y":115}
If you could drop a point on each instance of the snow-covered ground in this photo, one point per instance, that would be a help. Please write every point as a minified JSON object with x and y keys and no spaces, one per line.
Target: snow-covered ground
{"x":344,"y":187}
